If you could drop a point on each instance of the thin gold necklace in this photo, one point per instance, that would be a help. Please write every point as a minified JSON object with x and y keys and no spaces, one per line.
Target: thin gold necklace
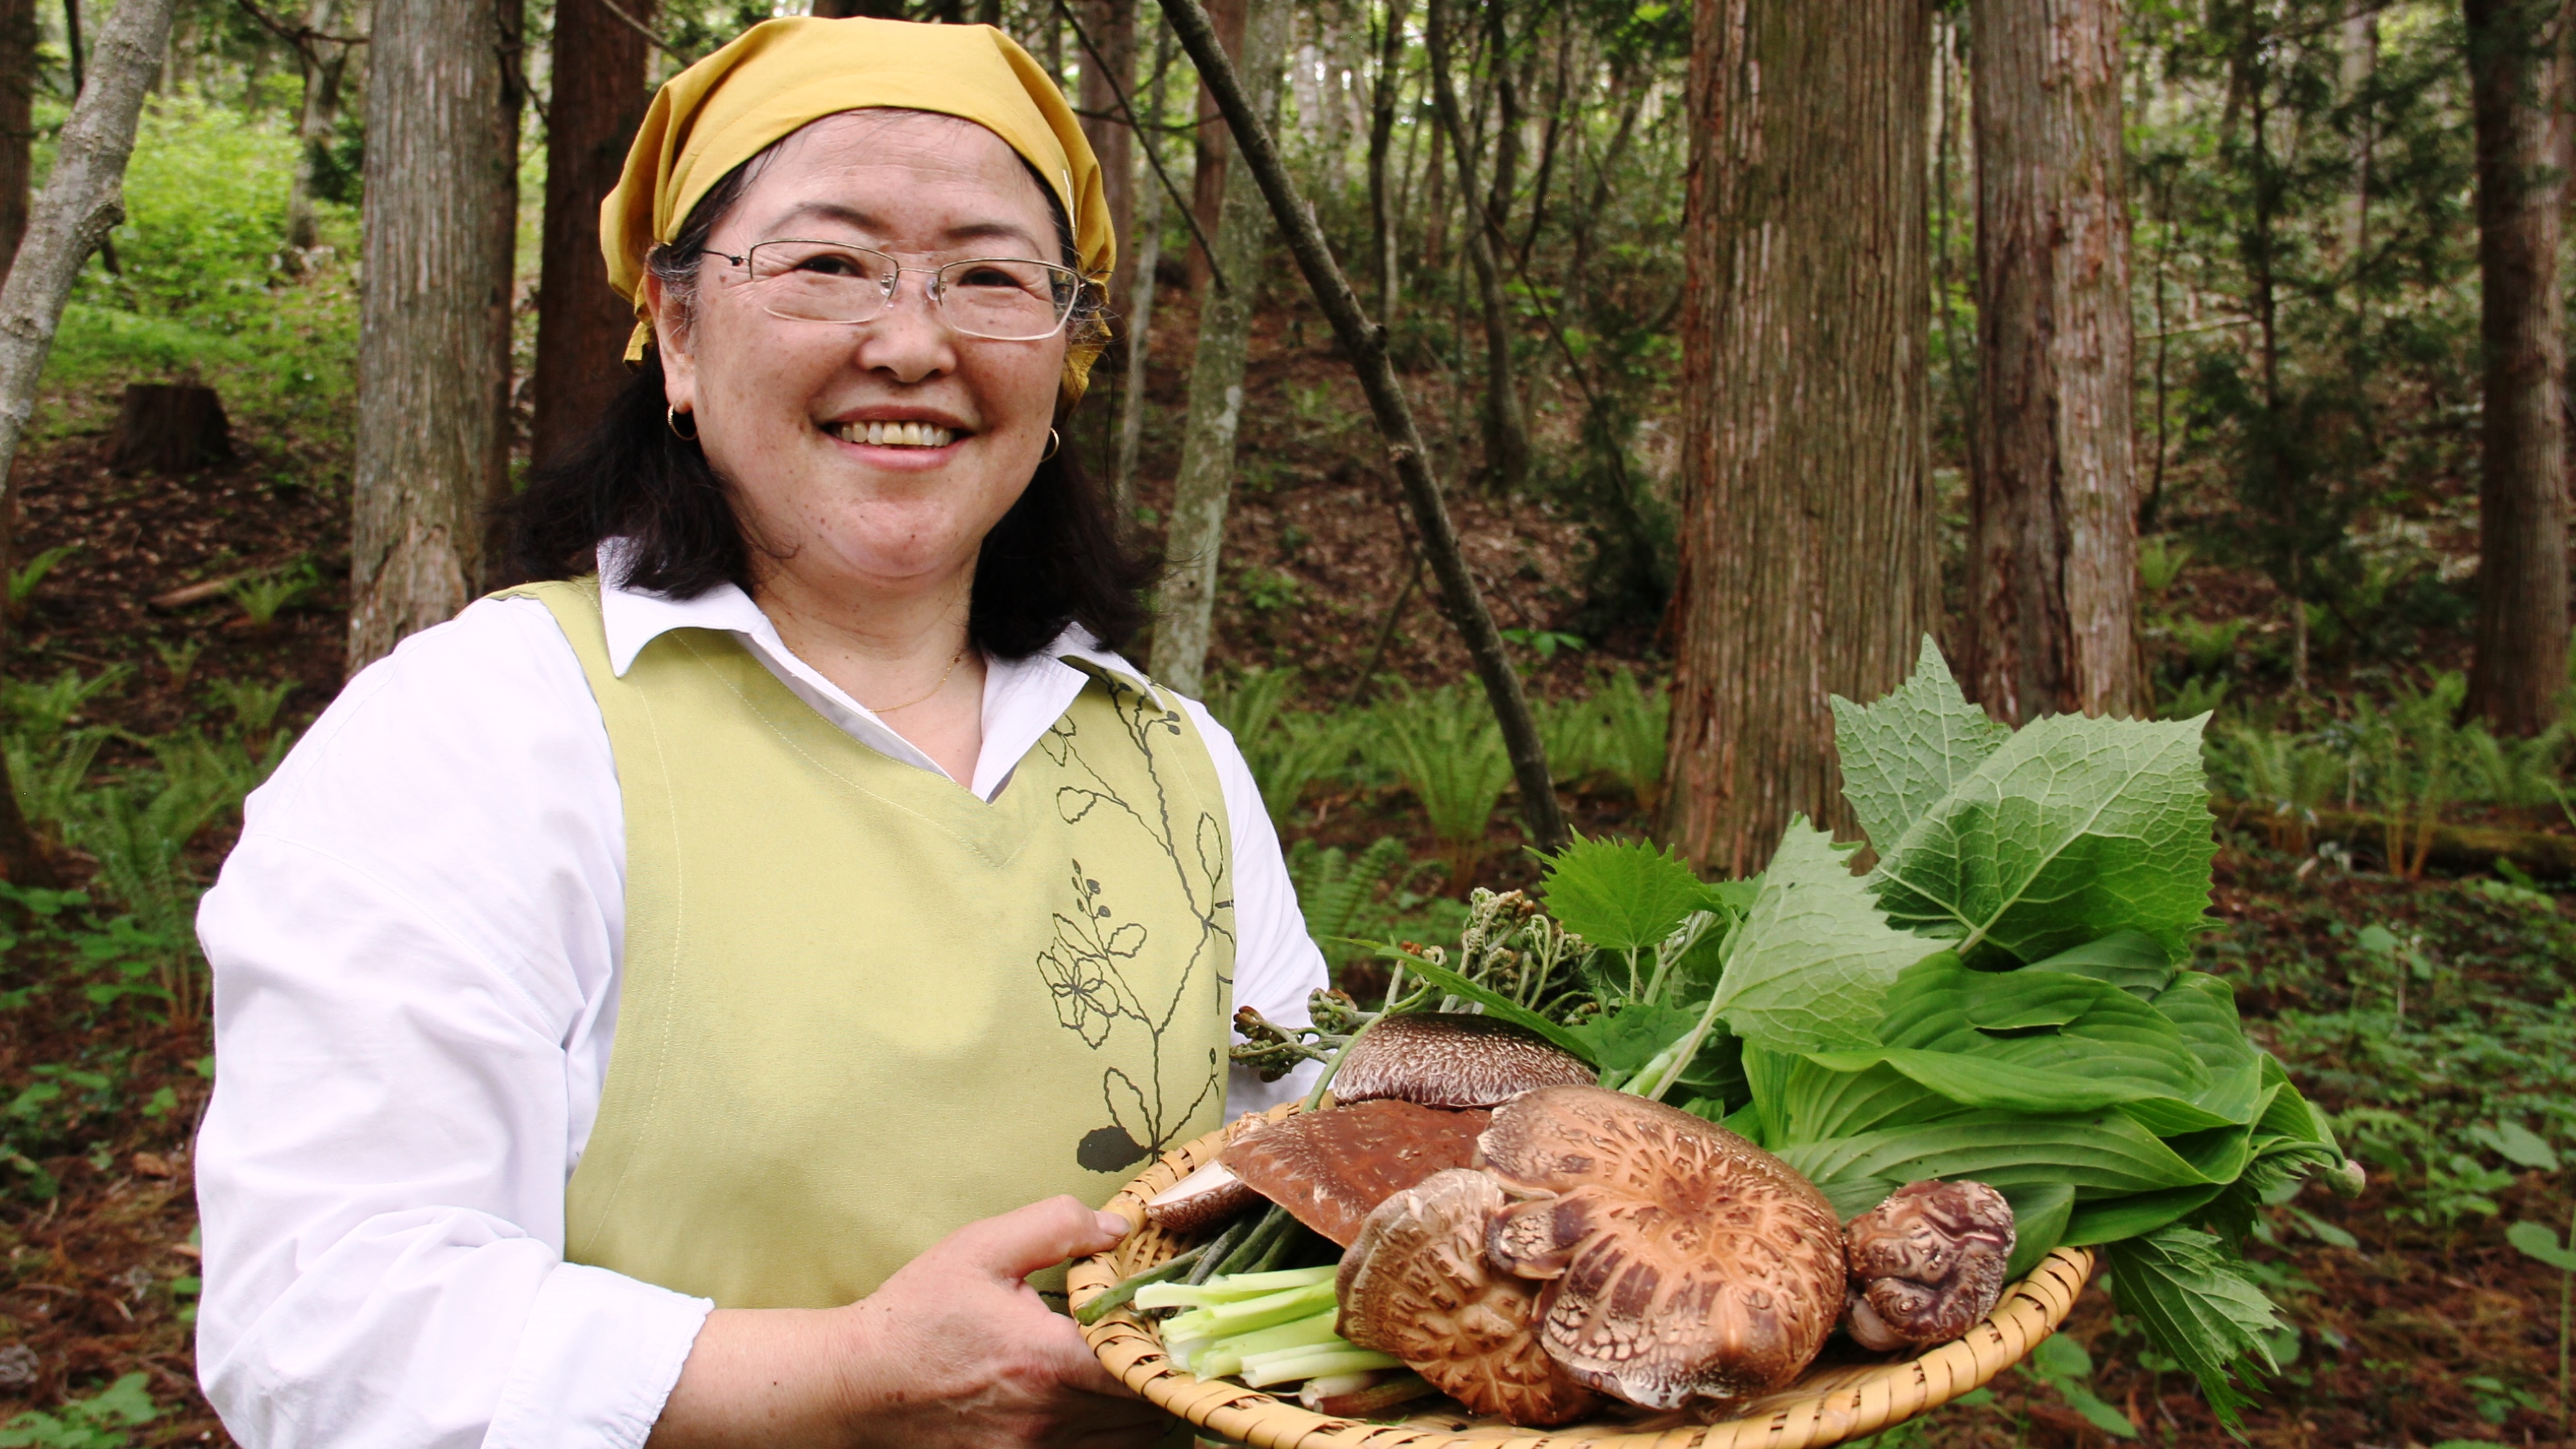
{"x":934,"y":689}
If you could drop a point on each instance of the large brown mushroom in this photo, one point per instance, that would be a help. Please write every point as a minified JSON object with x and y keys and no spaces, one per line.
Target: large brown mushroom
{"x":1329,"y":1169}
{"x":1199,"y":1201}
{"x":1927,"y":1263}
{"x":1680,"y":1259}
{"x":1416,"y":1284}
{"x":1451,"y":1059}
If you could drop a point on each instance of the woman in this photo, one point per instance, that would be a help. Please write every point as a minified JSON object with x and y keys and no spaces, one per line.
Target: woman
{"x":696,"y":1002}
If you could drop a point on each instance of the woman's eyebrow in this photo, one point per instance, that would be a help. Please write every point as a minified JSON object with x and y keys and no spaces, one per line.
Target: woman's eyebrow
{"x":981,"y":231}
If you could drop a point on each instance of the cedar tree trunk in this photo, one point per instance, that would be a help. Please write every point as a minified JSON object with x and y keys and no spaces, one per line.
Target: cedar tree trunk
{"x":1205,"y":483}
{"x":1507,"y":450}
{"x":433,"y":363}
{"x":1207,"y":178}
{"x":2052,"y":565}
{"x":2520,"y":665}
{"x":1111,"y":24}
{"x":1806,"y":528}
{"x":17,"y":120}
{"x":582,"y":325}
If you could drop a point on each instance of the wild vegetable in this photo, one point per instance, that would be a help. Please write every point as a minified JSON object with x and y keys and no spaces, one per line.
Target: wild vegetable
{"x":2000,"y":999}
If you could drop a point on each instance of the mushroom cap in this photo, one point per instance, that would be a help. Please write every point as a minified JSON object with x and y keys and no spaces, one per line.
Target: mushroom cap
{"x":1199,"y":1201}
{"x":1680,"y":1259}
{"x":1452,"y":1059}
{"x":1416,"y":1284}
{"x":1329,"y":1169}
{"x":1927,"y":1264}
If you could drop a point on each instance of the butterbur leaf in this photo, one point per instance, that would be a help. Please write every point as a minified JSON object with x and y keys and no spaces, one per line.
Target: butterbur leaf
{"x":2072,"y":829}
{"x":2540,"y":1241}
{"x":1903,"y":754}
{"x":1810,"y":967}
{"x":2198,"y":1307}
{"x":1621,"y":895}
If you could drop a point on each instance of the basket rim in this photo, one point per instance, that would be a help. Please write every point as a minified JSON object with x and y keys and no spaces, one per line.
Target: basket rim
{"x":1820,"y":1409}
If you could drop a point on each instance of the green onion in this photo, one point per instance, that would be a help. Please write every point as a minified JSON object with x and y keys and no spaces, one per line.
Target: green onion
{"x":1301,"y":1363}
{"x":1126,"y":1288}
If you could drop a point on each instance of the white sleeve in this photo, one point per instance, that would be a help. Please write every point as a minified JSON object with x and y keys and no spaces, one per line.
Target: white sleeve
{"x":414,"y":949}
{"x":1276,"y":964}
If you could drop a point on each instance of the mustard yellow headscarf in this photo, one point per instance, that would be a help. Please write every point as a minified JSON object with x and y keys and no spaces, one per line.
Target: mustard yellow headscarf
{"x":781,"y":75}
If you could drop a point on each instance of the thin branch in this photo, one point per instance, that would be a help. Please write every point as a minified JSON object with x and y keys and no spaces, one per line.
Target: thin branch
{"x":1118,"y":89}
{"x":299,"y":36}
{"x":642,"y":29}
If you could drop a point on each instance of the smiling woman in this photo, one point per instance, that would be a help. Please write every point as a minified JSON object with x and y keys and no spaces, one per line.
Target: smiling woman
{"x":704,"y":994}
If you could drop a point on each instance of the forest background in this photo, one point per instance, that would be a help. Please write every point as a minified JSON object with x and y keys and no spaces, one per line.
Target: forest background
{"x":2202,"y":356}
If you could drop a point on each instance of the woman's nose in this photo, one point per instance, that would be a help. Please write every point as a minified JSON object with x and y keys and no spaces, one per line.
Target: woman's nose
{"x":909,"y":339}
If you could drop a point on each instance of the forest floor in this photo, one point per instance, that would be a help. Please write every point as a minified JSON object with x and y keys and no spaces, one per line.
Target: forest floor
{"x":2416,"y":1324}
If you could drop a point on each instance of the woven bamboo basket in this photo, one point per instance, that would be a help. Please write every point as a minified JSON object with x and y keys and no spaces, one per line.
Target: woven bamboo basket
{"x":1832,"y":1402}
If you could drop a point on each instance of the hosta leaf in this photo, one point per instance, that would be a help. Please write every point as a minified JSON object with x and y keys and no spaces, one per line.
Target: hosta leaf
{"x":2135,"y":1216}
{"x":2040,"y":1211}
{"x":2074,"y":828}
{"x":1621,"y":895}
{"x":1810,"y":967}
{"x":2104,"y":1152}
{"x":2198,"y":1307}
{"x":1902,"y":754}
{"x":2130,"y":960}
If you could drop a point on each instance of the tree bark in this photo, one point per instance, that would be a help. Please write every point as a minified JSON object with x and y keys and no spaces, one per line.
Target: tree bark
{"x":1204,"y":486}
{"x":82,"y":199}
{"x":2516,"y":50}
{"x":17,"y":120}
{"x":1507,"y":449}
{"x":1111,"y":25}
{"x":1148,"y":191}
{"x":433,"y":316}
{"x":1363,"y":343}
{"x":1384,"y":90}
{"x":582,"y":325}
{"x":324,"y":65}
{"x":1806,"y":531}
{"x":1207,"y":178}
{"x":2052,"y":617}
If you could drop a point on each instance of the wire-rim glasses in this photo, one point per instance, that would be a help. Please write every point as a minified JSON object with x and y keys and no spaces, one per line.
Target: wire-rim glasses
{"x":1000,"y":299}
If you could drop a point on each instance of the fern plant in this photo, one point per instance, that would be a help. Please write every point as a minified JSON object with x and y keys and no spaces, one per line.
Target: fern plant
{"x":1636,"y":720}
{"x":1443,"y":746}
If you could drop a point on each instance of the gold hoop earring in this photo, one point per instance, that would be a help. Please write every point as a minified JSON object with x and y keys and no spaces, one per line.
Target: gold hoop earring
{"x":672,"y":416}
{"x":1053,"y":444}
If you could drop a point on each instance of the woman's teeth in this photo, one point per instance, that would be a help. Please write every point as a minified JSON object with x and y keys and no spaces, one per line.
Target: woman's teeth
{"x":896,"y":435}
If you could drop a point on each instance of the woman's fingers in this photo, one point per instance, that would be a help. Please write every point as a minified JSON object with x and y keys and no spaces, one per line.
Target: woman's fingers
{"x":1023,"y":1241}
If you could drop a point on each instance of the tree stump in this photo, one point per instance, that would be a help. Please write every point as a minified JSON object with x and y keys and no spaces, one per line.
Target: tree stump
{"x":169,"y":428}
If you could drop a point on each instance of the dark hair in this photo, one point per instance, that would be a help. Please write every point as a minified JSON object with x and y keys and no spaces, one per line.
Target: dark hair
{"x":1056,"y":558}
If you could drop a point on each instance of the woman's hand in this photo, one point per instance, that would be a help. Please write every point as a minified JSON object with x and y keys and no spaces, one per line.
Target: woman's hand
{"x":954,"y":1349}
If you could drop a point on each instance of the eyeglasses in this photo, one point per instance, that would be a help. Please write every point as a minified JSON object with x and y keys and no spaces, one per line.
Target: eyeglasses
{"x":1001,"y":299}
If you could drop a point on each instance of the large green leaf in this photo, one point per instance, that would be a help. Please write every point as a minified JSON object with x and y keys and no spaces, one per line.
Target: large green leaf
{"x":2040,"y":1211}
{"x":1627,"y":1037}
{"x":1810,"y":967}
{"x":2039,"y":1042}
{"x":1903,"y":754}
{"x":1817,"y":1103}
{"x":1621,"y":895}
{"x":2197,"y":1306}
{"x":2131,"y":960}
{"x":2134,"y":1216}
{"x":2072,"y":829}
{"x":2203,"y":1009}
{"x":2103,"y":1152}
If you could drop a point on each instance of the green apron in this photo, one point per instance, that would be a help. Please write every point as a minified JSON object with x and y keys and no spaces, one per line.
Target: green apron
{"x":861,"y":1006}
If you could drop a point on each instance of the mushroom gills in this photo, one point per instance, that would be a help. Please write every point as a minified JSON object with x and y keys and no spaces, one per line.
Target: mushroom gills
{"x":1329,"y":1169}
{"x":1416,"y":1284}
{"x":1200,"y":1201}
{"x":1680,"y":1261}
{"x":1927,"y":1264}
{"x":1452,"y":1059}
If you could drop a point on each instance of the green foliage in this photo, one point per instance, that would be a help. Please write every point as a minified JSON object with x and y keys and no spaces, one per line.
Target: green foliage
{"x":42,"y":710}
{"x":1443,"y":746}
{"x":1621,"y":895}
{"x":29,"y":576}
{"x":2280,"y":771}
{"x":2062,"y":1364}
{"x":2199,"y":1306}
{"x":263,"y":596}
{"x":2022,"y":845}
{"x":178,"y":658}
{"x":1348,"y":897}
{"x":101,"y":1421}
